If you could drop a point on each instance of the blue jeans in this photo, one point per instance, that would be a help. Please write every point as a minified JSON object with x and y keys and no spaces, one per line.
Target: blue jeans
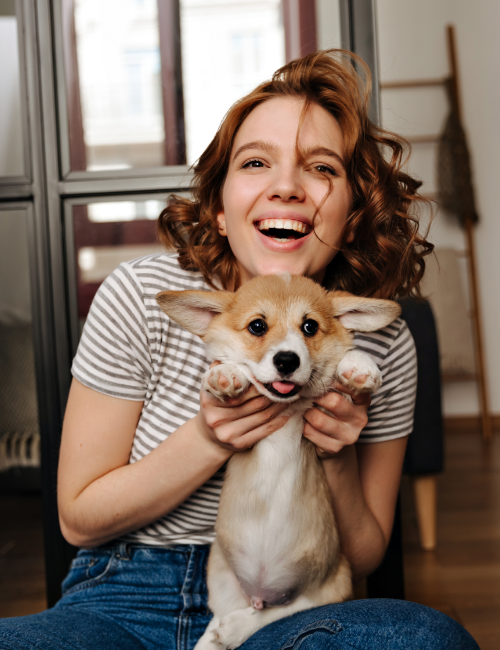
{"x":136,"y":597}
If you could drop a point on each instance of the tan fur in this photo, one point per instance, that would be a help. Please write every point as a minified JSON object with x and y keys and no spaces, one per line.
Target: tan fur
{"x":277,"y":541}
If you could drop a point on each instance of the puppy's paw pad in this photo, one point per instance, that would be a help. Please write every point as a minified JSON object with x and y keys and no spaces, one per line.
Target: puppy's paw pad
{"x":225,"y":380}
{"x":357,"y":371}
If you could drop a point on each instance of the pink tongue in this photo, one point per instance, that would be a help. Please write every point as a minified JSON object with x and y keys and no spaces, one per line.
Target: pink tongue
{"x":283,"y":386}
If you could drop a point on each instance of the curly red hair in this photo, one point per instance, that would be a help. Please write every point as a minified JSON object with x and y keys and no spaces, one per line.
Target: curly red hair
{"x":385,"y":257}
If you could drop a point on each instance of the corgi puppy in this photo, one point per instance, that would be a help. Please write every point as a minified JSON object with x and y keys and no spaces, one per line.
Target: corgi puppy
{"x":277,"y":546}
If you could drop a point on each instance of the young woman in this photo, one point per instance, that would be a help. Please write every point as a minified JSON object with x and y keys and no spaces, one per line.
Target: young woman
{"x":297,"y":179}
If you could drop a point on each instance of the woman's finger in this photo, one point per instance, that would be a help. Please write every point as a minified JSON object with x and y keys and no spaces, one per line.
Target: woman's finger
{"x":333,"y":428}
{"x":231,"y":402}
{"x":242,"y":425}
{"x":363,"y":399}
{"x":248,"y":440}
{"x":325,"y":445}
{"x":340,"y":407}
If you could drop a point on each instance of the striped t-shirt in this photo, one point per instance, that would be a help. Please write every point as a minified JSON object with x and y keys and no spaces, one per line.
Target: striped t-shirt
{"x":132,"y":350}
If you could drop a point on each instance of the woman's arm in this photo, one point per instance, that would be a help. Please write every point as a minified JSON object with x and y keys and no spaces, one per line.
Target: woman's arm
{"x":101,"y":496}
{"x":364,"y":483}
{"x":363,"y":479}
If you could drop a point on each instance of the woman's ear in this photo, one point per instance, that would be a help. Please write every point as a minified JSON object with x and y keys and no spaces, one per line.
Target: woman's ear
{"x":221,"y":222}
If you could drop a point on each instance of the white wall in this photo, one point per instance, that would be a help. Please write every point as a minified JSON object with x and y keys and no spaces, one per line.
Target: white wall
{"x":412,"y":45}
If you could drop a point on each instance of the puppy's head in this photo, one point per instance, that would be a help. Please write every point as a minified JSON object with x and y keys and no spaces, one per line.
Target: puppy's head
{"x":286,"y":331}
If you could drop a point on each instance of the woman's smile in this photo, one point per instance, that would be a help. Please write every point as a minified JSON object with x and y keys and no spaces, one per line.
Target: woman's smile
{"x":283,"y":230}
{"x":278,"y":201}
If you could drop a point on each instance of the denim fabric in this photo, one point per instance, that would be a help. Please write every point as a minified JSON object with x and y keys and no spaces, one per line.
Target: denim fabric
{"x":135,"y":597}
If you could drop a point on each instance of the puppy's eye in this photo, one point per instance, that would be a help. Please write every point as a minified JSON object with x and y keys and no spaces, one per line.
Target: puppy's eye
{"x":310,"y":327}
{"x":257,"y":327}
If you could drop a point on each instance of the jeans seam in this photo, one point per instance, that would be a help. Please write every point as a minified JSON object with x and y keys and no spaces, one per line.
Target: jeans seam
{"x":183,"y":625}
{"x":92,"y":582}
{"x":324,"y":624}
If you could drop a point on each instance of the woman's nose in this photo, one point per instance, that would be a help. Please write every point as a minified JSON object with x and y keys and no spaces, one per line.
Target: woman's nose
{"x":286,"y":185}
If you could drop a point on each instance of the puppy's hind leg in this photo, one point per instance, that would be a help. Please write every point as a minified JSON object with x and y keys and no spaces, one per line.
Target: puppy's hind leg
{"x":224,"y":596}
{"x":235,"y":628}
{"x":208,"y":640}
{"x":224,"y":591}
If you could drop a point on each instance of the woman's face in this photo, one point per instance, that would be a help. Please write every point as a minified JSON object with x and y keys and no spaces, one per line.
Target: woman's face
{"x":270,"y":197}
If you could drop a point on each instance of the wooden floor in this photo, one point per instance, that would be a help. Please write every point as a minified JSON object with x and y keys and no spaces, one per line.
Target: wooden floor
{"x":22,"y":574}
{"x":461,"y":578}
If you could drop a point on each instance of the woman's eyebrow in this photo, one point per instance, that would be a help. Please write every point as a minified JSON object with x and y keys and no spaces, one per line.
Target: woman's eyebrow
{"x":324,"y":151}
{"x":256,"y":144}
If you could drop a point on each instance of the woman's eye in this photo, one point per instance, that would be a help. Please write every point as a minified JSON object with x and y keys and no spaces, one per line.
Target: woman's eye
{"x":310,"y":327}
{"x":253,"y":164}
{"x":257,"y":327}
{"x":325,"y":169}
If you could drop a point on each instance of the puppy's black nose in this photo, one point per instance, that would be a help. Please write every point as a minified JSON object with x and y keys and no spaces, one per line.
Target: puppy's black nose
{"x":286,"y":362}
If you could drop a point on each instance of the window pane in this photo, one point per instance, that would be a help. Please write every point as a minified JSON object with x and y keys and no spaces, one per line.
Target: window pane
{"x":11,"y":135}
{"x":228,"y":48}
{"x":113,"y":70}
{"x":128,"y":93}
{"x":19,"y":431}
{"x":108,"y":233}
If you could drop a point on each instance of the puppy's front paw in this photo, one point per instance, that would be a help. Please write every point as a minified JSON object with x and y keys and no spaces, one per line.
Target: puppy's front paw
{"x":357,"y":371}
{"x":235,"y":628}
{"x":225,"y":380}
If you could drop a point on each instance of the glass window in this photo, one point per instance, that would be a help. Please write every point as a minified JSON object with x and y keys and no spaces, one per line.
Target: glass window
{"x":113,"y":68}
{"x":107,"y":233}
{"x":148,"y":81}
{"x":228,"y":48}
{"x":19,"y":430}
{"x":11,"y":132}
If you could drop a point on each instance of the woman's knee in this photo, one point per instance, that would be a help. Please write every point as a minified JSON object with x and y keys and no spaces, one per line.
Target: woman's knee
{"x":398,"y":625}
{"x":381,"y":624}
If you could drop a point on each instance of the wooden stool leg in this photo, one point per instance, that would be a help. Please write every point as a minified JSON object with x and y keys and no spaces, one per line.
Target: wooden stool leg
{"x":425,"y":496}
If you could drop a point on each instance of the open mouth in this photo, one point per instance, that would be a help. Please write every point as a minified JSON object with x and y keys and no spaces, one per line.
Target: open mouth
{"x":283,"y":388}
{"x":283,"y":230}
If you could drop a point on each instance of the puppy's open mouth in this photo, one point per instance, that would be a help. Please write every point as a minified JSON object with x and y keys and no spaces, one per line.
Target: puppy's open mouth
{"x":283,"y":388}
{"x":283,"y":230}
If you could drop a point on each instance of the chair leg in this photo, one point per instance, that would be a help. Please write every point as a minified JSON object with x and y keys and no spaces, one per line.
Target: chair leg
{"x":425,"y":497}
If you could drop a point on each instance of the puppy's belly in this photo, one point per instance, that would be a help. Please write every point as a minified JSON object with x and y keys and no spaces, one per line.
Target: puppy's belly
{"x":266,"y":564}
{"x":275,"y":516}
{"x":271,"y":549}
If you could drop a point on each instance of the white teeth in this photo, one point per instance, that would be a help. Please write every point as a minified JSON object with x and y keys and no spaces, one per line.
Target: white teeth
{"x":284,"y":224}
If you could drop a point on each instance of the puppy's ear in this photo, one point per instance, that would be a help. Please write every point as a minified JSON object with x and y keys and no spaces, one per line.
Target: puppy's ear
{"x":194,"y":310}
{"x":363,"y":314}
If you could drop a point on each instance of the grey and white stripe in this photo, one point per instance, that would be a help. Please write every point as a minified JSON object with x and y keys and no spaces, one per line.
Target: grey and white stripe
{"x":131,"y":350}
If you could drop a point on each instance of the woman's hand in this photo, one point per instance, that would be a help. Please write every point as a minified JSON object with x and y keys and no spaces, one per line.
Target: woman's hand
{"x":239,"y":423}
{"x":335,"y":422}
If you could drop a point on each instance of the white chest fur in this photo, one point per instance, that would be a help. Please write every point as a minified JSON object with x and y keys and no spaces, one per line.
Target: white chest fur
{"x":265,"y":525}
